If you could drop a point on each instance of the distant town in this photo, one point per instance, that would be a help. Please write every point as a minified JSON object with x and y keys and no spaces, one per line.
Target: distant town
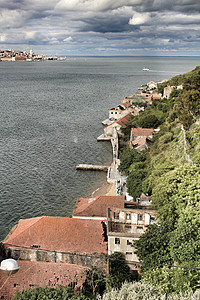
{"x":17,"y":55}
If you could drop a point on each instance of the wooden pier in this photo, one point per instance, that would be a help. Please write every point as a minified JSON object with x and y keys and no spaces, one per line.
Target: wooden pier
{"x":92,"y":167}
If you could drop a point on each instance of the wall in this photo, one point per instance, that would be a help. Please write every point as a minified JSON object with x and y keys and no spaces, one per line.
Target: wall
{"x":98,"y":260}
{"x":124,"y":248}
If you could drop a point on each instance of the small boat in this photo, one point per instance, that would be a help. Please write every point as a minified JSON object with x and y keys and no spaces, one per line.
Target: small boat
{"x":145,"y":69}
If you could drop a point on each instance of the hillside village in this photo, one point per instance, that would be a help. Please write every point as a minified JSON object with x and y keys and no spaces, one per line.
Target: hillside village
{"x":48,"y":248}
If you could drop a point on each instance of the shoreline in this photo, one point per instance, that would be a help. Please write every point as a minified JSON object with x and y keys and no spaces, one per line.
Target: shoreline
{"x":107,"y":189}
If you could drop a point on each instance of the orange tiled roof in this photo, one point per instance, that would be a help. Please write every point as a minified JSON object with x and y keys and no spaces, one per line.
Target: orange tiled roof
{"x":140,"y":141}
{"x":97,"y":206}
{"x":61,"y":234}
{"x":41,"y":274}
{"x":122,"y":121}
{"x":142,"y":131}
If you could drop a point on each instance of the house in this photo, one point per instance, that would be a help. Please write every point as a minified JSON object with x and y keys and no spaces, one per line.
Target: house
{"x":57,"y":239}
{"x":124,"y":227}
{"x":141,"y":138}
{"x":152,"y":85}
{"x":119,"y":111}
{"x":96,"y":207}
{"x":118,"y":125}
{"x":42,"y":274}
{"x":167,"y":91}
{"x":136,"y":98}
{"x":141,"y":143}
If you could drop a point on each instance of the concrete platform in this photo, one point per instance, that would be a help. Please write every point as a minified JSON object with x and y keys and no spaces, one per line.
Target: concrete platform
{"x":104,"y":137}
{"x":92,"y":167}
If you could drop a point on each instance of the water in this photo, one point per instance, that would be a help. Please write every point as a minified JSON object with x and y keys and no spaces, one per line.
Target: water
{"x":51,"y":115}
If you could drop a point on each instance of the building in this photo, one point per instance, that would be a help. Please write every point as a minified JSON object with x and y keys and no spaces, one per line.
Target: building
{"x":96,"y":207}
{"x":167,"y":91}
{"x":119,"y":111}
{"x":141,"y":138}
{"x":118,"y":125}
{"x":42,"y":274}
{"x":57,"y":239}
{"x":124,"y":227}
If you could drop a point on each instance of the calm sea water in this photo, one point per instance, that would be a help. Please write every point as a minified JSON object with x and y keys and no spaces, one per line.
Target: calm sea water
{"x":51,"y":115}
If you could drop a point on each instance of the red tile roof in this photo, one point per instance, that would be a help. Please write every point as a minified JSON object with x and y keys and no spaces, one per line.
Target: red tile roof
{"x":142,"y":131}
{"x":41,"y":274}
{"x":122,"y":121}
{"x":126,"y":104}
{"x":140,"y":141}
{"x":61,"y":234}
{"x":97,"y":206}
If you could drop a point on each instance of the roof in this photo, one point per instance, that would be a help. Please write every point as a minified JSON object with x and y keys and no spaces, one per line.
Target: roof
{"x":120,"y":106}
{"x":41,"y":274}
{"x":142,"y":131}
{"x":126,"y":104}
{"x":122,"y":121}
{"x":60,"y":234}
{"x":139,"y":141}
{"x":97,"y":206}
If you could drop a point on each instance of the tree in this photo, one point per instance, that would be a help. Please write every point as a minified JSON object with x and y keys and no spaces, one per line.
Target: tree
{"x":152,"y":248}
{"x":59,"y":293}
{"x":185,"y":239}
{"x":174,"y":190}
{"x":119,"y":271}
{"x":95,"y":282}
{"x":134,"y":182}
{"x":127,"y":157}
{"x":172,"y":279}
{"x":148,"y":121}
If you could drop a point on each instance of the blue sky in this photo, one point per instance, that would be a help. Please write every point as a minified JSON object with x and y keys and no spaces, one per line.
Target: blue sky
{"x":101,"y":27}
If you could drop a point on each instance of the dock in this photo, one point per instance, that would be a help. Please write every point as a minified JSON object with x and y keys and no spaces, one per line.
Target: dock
{"x":92,"y":167}
{"x":104,"y":137}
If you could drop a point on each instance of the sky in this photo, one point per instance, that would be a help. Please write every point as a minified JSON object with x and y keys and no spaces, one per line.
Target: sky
{"x":101,"y":27}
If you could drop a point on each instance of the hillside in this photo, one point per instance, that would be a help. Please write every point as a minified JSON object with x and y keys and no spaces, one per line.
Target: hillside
{"x":170,"y":172}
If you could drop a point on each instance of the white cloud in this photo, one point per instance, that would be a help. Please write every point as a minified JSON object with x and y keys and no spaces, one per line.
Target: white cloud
{"x":139,"y":19}
{"x":12,"y":18}
{"x":68,"y":39}
{"x":95,"y":5}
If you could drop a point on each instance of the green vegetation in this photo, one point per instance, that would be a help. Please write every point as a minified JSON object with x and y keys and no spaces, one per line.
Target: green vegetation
{"x":47,"y":293}
{"x":142,"y":291}
{"x":169,"y":249}
{"x":119,"y":272}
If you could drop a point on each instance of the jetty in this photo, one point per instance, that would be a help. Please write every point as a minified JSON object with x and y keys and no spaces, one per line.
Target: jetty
{"x":92,"y":167}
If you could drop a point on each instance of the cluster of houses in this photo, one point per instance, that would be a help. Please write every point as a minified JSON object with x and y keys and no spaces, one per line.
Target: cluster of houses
{"x":57,"y":250}
{"x":17,"y":55}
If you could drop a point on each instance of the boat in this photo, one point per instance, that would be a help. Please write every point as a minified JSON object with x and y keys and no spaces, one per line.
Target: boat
{"x":145,"y":69}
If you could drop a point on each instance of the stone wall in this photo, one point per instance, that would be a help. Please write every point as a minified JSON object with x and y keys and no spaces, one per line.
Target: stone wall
{"x":97,"y":260}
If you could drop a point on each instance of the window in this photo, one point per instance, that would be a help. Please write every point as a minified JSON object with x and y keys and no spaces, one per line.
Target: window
{"x":129,"y":242}
{"x":140,"y":217}
{"x":116,"y":112}
{"x":16,"y":284}
{"x":35,"y":246}
{"x":128,"y":253}
{"x":127,"y":226}
{"x":116,"y":215}
{"x":128,"y":216}
{"x":140,"y":227}
{"x":117,"y":241}
{"x":112,"y":112}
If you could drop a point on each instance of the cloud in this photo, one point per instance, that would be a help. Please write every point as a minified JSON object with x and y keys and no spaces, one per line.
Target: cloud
{"x":68,"y":39}
{"x":100,"y":25}
{"x":139,"y":19}
{"x":12,"y":18}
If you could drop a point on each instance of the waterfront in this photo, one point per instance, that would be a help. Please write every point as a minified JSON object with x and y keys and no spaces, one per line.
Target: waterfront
{"x":51,"y":115}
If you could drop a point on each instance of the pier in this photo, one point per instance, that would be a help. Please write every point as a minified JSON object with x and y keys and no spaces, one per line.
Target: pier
{"x":92,"y":167}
